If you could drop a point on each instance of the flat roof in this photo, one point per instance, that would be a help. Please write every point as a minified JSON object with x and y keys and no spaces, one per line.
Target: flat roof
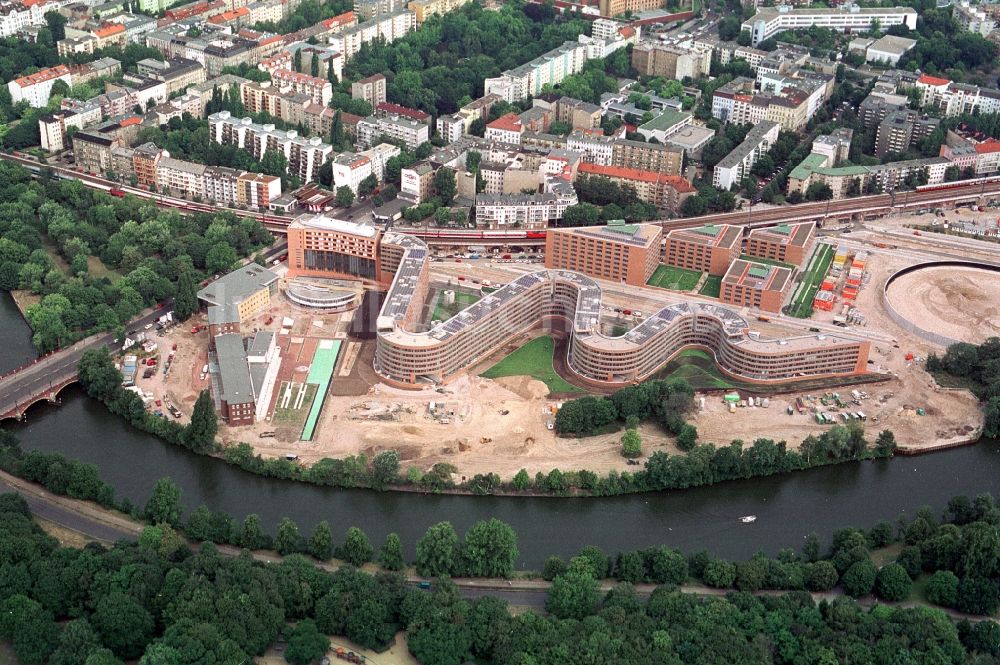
{"x":323,"y":223}
{"x":795,"y":235}
{"x":758,"y":276}
{"x":234,"y":372}
{"x":666,"y":120}
{"x":637,"y":235}
{"x":237,"y":285}
{"x":716,"y":235}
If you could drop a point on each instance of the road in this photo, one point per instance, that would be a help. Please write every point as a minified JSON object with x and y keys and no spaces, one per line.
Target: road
{"x":23,"y":386}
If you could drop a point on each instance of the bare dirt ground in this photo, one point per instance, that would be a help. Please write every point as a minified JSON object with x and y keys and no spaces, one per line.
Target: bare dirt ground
{"x":961,"y":303}
{"x":397,"y":654}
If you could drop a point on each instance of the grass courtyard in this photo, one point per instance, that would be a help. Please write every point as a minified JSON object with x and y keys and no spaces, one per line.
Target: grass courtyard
{"x":673,"y":278}
{"x":802,"y":301}
{"x":443,"y":311}
{"x":698,"y":368}
{"x":711,"y":287}
{"x":534,"y":359}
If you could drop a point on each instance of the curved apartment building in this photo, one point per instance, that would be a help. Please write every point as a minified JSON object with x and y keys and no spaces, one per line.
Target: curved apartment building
{"x":405,"y":356}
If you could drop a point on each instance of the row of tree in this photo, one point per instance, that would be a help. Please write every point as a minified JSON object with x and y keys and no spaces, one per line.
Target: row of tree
{"x":978,"y":367}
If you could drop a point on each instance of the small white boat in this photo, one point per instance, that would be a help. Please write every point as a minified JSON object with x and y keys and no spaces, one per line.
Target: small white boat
{"x":747,"y":519}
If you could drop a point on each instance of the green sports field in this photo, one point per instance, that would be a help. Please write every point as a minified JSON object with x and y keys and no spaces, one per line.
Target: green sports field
{"x":675,"y":279}
{"x":534,"y":359}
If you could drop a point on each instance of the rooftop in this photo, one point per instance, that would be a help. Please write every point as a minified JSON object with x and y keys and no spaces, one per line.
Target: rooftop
{"x":666,"y":120}
{"x":716,"y":235}
{"x":238,"y":285}
{"x":759,"y":276}
{"x":234,"y":372}
{"x":792,"y":234}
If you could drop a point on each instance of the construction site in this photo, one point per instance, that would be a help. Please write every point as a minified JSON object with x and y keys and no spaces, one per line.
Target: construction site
{"x":328,"y":401}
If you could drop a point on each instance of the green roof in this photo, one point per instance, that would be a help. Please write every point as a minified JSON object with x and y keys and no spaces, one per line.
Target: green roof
{"x":759,"y":271}
{"x":619,"y":226}
{"x":666,"y":120}
{"x":783,"y":229}
{"x":814,"y":163}
{"x":708,"y":230}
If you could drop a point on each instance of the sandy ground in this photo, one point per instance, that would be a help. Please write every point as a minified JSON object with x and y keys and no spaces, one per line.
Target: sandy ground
{"x":961,"y":303}
{"x":397,"y":654}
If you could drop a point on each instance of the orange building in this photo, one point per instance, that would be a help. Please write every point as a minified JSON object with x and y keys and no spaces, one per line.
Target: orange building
{"x":617,"y":252}
{"x":320,"y":246}
{"x":749,"y":284}
{"x":708,"y":249}
{"x":788,"y":243}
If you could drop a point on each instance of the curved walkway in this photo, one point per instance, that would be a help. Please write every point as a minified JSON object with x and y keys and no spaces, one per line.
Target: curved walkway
{"x":100,"y":524}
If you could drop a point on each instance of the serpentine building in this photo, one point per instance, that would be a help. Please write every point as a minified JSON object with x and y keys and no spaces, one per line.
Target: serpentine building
{"x":549,"y":298}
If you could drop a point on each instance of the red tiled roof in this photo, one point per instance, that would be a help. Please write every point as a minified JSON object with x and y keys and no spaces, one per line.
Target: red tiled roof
{"x":109,"y":29}
{"x":675,"y":181}
{"x":932,"y":80}
{"x":340,"y":19}
{"x":132,"y":120}
{"x":42,"y":75}
{"x":509,"y":123}
{"x":988,"y":146}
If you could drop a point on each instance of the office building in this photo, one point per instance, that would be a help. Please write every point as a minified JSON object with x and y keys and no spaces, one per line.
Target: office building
{"x":665,"y":125}
{"x":787,"y":243}
{"x":233,"y":300}
{"x":320,"y":246}
{"x":708,"y":248}
{"x":769,"y":21}
{"x":756,"y":285}
{"x":618,"y":252}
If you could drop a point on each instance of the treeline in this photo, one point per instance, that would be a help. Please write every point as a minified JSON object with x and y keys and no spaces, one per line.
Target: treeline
{"x":159,"y":603}
{"x":977,"y":367}
{"x":145,"y":254}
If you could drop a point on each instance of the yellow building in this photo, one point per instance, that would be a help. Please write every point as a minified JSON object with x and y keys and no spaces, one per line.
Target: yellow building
{"x":424,"y":9}
{"x":234,"y":299}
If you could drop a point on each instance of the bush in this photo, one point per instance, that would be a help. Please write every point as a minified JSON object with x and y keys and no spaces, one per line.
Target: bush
{"x":892,"y":583}
{"x":942,"y":588}
{"x":859,"y":579}
{"x":720,"y":573}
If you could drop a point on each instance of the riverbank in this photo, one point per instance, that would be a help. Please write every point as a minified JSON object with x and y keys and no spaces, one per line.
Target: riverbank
{"x":525,"y":587}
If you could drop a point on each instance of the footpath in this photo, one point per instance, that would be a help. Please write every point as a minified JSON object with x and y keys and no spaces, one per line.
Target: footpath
{"x":107,"y":526}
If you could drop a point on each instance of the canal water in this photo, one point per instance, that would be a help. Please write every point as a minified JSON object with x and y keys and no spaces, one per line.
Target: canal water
{"x":787,"y":507}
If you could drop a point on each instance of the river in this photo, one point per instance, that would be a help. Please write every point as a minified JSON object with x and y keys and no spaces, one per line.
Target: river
{"x":787,"y":507}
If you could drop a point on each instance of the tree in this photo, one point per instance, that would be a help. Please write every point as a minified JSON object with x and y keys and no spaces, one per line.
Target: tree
{"x":306,"y":644}
{"x":859,"y":579}
{"x":521,"y":480}
{"x":554,"y":567}
{"x":186,"y":297}
{"x":720,"y":573}
{"x":164,"y":506}
{"x":288,"y":540}
{"x":631,"y":444}
{"x":297,"y":61}
{"x":490,"y":549}
{"x":942,"y":588}
{"x":688,"y":437}
{"x":437,"y":551}
{"x":220,"y":258}
{"x":199,"y":435}
{"x":357,"y":548}
{"x":252,"y":536}
{"x":30,"y":627}
{"x":123,"y":623}
{"x":892,"y":583}
{"x":977,"y":595}
{"x":572,"y":596}
{"x":337,"y":126}
{"x":444,"y":185}
{"x":321,"y":541}
{"x":391,"y":553}
{"x":581,"y":214}
{"x":367,"y":185}
{"x":822,"y":576}
{"x":991,"y":418}
{"x":385,"y":469}
{"x":345,"y":196}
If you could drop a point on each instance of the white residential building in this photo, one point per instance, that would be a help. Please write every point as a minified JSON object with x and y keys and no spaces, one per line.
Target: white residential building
{"x":736,"y":166}
{"x":305,"y":155}
{"x":769,"y":21}
{"x":177,"y":177}
{"x":36,"y":88}
{"x":595,"y":148}
{"x":526,"y":211}
{"x":972,"y":18}
{"x":410,"y":132}
{"x":389,"y":27}
{"x":320,"y":90}
{"x":450,"y":127}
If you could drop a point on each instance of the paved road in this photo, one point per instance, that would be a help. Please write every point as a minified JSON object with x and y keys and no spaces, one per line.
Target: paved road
{"x":25,"y":385}
{"x":68,"y":518}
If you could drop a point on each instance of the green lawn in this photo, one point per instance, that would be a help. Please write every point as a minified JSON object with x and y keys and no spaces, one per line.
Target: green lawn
{"x":712,"y":286}
{"x":767,"y":262}
{"x":676,"y":279}
{"x":463,"y":299}
{"x":698,"y":368}
{"x":802,"y":301}
{"x":534,"y":359}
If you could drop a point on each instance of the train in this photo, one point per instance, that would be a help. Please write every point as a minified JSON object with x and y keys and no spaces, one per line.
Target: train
{"x":959,"y":184}
{"x":473,"y":234}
